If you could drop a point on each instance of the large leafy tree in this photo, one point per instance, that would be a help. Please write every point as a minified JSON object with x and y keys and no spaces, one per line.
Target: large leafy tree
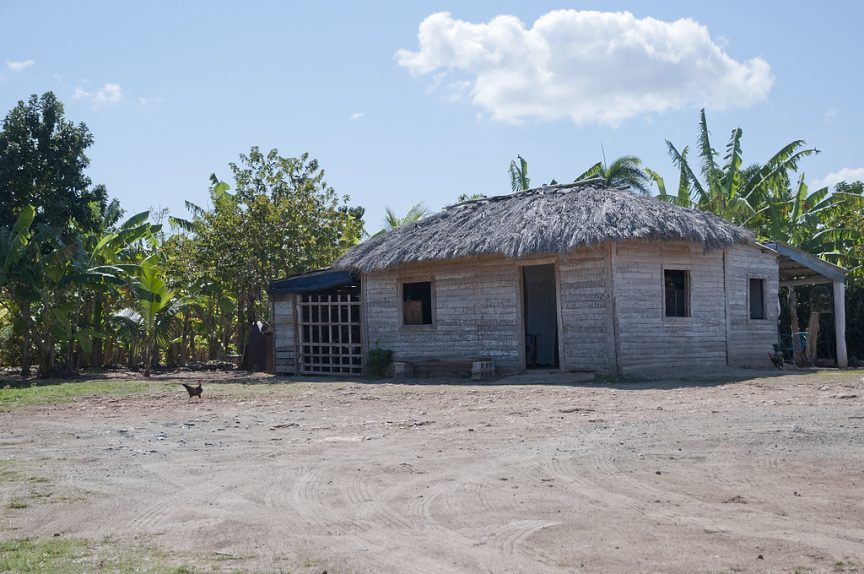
{"x":281,"y":218}
{"x":42,"y":163}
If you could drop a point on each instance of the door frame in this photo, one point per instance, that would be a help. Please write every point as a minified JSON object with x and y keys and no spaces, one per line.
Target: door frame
{"x":555,"y":261}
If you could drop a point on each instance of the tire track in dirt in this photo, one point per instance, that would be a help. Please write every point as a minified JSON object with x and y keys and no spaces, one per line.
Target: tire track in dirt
{"x":309,"y":503}
{"x":512,"y":536}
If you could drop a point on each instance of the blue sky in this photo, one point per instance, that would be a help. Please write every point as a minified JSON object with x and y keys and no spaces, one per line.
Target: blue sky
{"x":402,"y":104}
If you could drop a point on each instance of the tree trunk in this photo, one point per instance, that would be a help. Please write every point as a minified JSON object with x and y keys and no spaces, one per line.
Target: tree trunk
{"x":70,"y":344}
{"x":147,"y":351}
{"x":46,"y":357}
{"x":184,"y":341}
{"x":797,"y":352}
{"x":192,"y":350}
{"x":26,"y":340}
{"x":244,"y":328}
{"x":96,"y":352}
{"x":812,"y":338}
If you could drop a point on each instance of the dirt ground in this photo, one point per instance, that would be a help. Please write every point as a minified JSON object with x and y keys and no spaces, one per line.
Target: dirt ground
{"x":540,"y":473}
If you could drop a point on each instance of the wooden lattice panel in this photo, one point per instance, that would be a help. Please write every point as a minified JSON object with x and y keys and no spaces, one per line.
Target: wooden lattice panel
{"x":329,"y":329}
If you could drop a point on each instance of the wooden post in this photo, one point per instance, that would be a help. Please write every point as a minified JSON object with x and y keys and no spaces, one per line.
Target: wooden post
{"x":840,"y":323}
{"x":797,"y":356}
{"x":562,"y":360}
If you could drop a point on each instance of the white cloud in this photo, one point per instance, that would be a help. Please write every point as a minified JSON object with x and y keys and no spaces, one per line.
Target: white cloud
{"x":108,"y":95}
{"x":19,"y":66}
{"x":356,"y":115}
{"x":591,"y":67}
{"x":847,"y":174}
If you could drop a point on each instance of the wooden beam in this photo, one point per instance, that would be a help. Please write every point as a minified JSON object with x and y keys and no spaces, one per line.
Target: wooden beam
{"x":829,"y":270}
{"x":562,"y":361}
{"x":805,"y":281}
{"x":840,"y":323}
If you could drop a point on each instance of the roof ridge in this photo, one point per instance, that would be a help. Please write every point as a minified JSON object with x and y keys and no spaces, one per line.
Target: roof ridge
{"x":594,"y":182}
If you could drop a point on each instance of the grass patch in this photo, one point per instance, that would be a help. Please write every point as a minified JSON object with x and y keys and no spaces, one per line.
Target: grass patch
{"x":49,"y":391}
{"x":17,"y":504}
{"x":77,"y":556}
{"x":17,"y":394}
{"x":8,"y":474}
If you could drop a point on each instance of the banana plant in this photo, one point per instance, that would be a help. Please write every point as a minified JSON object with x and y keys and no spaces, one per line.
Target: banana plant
{"x":14,"y":242}
{"x":100,"y":271}
{"x":47,"y":277}
{"x":149,"y":320}
{"x":730,"y":190}
{"x":519,"y":180}
{"x":625,"y":171}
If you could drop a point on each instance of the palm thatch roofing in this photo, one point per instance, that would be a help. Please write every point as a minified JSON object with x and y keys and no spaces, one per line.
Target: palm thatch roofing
{"x":546,"y":220}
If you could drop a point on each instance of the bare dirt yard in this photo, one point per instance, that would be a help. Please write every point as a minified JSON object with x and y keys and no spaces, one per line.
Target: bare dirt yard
{"x":540,"y":473}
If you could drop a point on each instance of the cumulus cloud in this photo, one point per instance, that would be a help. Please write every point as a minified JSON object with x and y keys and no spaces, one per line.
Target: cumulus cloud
{"x":19,"y":66}
{"x":356,"y":115}
{"x":847,"y":174}
{"x":107,"y":95}
{"x":591,"y":67}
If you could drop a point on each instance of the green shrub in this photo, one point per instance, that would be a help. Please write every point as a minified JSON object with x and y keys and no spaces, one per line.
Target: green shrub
{"x":378,"y":362}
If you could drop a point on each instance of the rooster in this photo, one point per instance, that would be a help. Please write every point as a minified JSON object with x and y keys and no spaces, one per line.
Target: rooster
{"x":776,"y":357}
{"x":194,"y":391}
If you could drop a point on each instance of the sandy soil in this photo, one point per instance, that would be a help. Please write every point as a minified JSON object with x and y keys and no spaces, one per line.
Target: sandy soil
{"x":758,"y":475}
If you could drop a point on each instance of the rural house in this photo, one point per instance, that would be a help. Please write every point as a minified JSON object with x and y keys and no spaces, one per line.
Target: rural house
{"x":577,"y":277}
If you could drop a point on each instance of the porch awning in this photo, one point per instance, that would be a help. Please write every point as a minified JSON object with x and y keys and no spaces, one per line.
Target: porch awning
{"x":314,"y":281}
{"x":801,"y":268}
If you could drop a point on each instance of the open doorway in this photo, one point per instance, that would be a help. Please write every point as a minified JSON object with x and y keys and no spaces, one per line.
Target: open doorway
{"x":540,"y":309}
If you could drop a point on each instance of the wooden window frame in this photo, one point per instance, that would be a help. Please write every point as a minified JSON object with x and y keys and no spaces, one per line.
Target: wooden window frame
{"x":764,"y":281}
{"x":417,"y":279}
{"x":688,"y":306}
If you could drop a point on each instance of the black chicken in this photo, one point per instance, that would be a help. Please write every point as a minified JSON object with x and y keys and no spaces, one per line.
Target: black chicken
{"x":776,"y":357}
{"x":194,"y":391}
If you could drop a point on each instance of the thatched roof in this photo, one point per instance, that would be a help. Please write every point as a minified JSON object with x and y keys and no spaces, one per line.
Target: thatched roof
{"x":545,"y":220}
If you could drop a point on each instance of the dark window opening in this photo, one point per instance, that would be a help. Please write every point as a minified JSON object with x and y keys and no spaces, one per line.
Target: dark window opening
{"x":757,"y":299}
{"x":677,"y":287}
{"x":417,"y":303}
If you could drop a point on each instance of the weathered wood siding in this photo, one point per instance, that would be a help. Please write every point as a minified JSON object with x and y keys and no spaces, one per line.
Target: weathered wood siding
{"x":750,"y":339}
{"x":586,"y":310}
{"x":647,"y":337}
{"x":284,"y":334}
{"x":476,"y":312}
{"x":612,"y":310}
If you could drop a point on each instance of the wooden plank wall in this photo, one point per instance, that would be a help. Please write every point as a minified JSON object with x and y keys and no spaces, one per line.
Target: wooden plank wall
{"x":750,"y":340}
{"x":649,"y":339}
{"x":586,"y":310}
{"x":284,"y":334}
{"x":476,"y":312}
{"x":477,"y":309}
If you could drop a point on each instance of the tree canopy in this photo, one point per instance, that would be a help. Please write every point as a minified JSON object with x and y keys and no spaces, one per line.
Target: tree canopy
{"x":42,"y":163}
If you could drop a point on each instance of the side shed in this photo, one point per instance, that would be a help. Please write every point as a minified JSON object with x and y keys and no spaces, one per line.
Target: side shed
{"x":800,"y":268}
{"x":316,"y":319}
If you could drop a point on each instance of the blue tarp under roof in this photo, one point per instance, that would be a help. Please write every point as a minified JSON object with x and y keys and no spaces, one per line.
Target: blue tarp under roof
{"x":314,"y":281}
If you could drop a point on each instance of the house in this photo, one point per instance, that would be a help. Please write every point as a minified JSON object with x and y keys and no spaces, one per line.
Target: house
{"x":577,"y":277}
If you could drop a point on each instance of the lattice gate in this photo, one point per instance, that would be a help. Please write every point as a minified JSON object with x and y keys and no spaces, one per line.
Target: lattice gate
{"x":330,"y":334}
